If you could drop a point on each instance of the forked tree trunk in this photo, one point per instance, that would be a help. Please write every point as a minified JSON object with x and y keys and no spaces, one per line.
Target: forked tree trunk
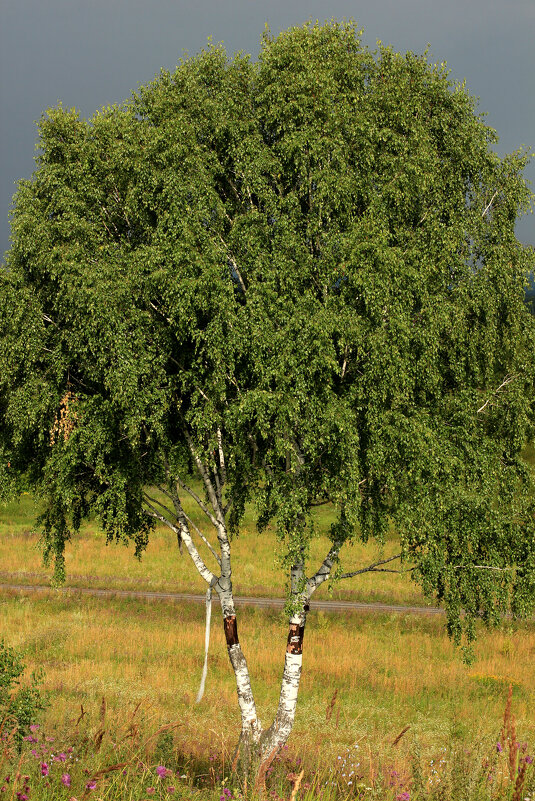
{"x":274,"y":738}
{"x":256,"y":748}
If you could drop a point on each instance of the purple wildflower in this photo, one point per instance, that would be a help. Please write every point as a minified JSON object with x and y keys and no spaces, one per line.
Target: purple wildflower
{"x":34,"y":727}
{"x":22,"y":797}
{"x":91,"y":785}
{"x":162,"y":771}
{"x":30,"y":738}
{"x":528,"y":759}
{"x":61,"y":757}
{"x":405,"y":796}
{"x":44,"y":769}
{"x":150,"y":790}
{"x":499,"y":748}
{"x":66,"y":779}
{"x":34,"y":753}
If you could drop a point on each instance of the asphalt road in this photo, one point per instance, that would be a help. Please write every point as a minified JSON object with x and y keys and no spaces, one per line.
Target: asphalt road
{"x":266,"y":603}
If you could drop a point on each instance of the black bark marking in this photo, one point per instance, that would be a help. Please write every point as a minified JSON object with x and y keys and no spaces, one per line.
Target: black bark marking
{"x":295,"y":639}
{"x":231,"y":630}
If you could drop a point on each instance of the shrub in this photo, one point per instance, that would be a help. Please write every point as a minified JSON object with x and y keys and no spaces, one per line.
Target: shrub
{"x":19,"y":704}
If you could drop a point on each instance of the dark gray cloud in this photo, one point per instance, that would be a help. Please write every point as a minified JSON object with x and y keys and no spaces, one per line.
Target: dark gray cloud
{"x":90,"y":53}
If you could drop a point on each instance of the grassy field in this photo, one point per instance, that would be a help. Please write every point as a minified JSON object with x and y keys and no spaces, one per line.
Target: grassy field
{"x":365,"y":678}
{"x":256,"y":561}
{"x":388,"y":672}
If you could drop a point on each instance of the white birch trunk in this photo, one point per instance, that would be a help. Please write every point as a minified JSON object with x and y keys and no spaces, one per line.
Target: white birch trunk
{"x":279,"y":731}
{"x":276,"y":736}
{"x":251,"y":726}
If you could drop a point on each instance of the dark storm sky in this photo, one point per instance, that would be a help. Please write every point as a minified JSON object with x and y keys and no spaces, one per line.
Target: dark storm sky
{"x":90,"y":53}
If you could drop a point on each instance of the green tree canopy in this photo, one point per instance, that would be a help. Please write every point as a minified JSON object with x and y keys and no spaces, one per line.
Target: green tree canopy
{"x":299,"y":278}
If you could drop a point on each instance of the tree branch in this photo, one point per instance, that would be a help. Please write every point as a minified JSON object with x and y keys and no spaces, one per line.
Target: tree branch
{"x":344,"y":366}
{"x":324,"y":571}
{"x":198,"y":501}
{"x":507,"y":380}
{"x":222,"y":465}
{"x":490,"y":204}
{"x":374,"y":568}
{"x":482,"y":567}
{"x":212,"y":494}
{"x":158,"y":516}
{"x":159,"y":503}
{"x":234,"y":264}
{"x":158,"y":311}
{"x":183,"y":532}
{"x":203,"y":538}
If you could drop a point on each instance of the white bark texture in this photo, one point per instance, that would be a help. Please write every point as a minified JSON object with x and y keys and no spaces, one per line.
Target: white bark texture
{"x":251,"y":727}
{"x":284,"y":720}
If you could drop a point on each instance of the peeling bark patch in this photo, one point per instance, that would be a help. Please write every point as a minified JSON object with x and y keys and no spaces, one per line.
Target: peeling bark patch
{"x":231,"y":631}
{"x":295,"y":639}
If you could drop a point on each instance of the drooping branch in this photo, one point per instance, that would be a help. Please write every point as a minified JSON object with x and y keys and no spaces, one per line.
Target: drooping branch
{"x":490,"y":203}
{"x":205,"y":572}
{"x":483,"y":567}
{"x":344,"y":366}
{"x":216,"y":503}
{"x":197,"y":500}
{"x":201,"y":467}
{"x":238,"y":274}
{"x":181,"y":530}
{"x":165,"y":492}
{"x":160,"y":312}
{"x":160,"y":504}
{"x":158,"y":516}
{"x":234,"y":265}
{"x":203,"y":538}
{"x":375,"y":568}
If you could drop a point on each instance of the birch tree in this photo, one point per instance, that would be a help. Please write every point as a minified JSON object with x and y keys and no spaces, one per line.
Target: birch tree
{"x":297,"y":281}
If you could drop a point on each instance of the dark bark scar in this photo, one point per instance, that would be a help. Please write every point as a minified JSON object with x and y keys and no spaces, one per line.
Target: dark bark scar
{"x":295,"y":639}
{"x":231,"y":630}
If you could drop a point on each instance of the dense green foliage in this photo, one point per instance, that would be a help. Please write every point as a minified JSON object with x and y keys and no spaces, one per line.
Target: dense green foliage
{"x":314,"y":254}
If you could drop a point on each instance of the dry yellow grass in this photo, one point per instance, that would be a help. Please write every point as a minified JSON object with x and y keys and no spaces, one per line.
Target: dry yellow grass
{"x":256,"y":561}
{"x":390,"y":671}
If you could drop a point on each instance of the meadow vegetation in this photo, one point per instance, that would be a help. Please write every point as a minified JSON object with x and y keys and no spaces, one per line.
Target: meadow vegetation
{"x":122,"y":675}
{"x":256,"y":559}
{"x":257,"y":571}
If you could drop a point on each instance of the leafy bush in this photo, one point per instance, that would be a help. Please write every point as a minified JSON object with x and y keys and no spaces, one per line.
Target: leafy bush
{"x":19,"y":705}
